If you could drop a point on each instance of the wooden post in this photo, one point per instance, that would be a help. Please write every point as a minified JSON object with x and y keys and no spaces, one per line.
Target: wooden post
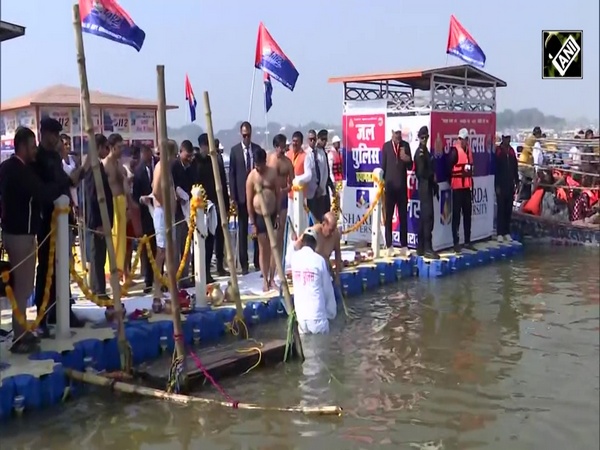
{"x":88,"y":126}
{"x":287,"y":297}
{"x":223,"y":212}
{"x":166,"y":153}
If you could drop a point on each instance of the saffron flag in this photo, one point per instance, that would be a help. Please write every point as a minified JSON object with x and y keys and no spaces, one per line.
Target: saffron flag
{"x":268,"y":92}
{"x":190,"y":98}
{"x":270,"y":59}
{"x":462,"y":45}
{"x":106,"y":18}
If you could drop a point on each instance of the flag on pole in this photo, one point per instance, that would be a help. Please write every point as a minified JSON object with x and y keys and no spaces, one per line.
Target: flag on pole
{"x":190,"y":98}
{"x":270,"y":59}
{"x":268,"y":92}
{"x":106,"y":18}
{"x":462,"y":45}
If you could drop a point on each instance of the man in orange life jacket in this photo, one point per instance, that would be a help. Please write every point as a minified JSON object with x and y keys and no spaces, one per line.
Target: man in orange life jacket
{"x":336,"y":160}
{"x":460,"y":160}
{"x":505,"y":183}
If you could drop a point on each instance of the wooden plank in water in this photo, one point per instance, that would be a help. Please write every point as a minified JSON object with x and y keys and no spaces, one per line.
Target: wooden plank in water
{"x":222,"y":361}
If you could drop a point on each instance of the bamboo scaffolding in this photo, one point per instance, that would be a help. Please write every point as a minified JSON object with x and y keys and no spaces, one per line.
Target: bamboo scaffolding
{"x":287,"y":297}
{"x":88,"y":125}
{"x":166,"y":153}
{"x":223,"y":211}
{"x":128,"y":388}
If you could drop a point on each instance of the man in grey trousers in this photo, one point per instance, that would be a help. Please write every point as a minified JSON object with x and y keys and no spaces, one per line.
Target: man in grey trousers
{"x":22,"y":193}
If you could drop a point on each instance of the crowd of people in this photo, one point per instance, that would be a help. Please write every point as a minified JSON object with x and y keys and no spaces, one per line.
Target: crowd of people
{"x":255,"y":185}
{"x":560,"y":184}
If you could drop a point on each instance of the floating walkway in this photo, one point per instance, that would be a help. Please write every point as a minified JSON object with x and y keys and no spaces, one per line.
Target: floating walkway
{"x":29,"y":383}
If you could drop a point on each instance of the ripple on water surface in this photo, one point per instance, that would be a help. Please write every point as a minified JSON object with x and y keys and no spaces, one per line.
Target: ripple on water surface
{"x":502,"y":357}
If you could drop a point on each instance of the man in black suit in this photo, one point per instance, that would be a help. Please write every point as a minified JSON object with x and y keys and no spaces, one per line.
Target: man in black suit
{"x":142,"y":186}
{"x":396,"y":160}
{"x":213,"y":243}
{"x":97,"y":242}
{"x":241,"y":162}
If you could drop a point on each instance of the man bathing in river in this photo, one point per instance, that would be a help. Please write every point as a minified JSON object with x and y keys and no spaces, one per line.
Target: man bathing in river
{"x":285,"y":173}
{"x":328,"y":242}
{"x":268,"y":178}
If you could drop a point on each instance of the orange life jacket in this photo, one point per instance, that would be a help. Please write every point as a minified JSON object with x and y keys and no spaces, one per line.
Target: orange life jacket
{"x":592,"y":195}
{"x":298,"y":163}
{"x":338,"y":165}
{"x":461,"y":178}
{"x":533,"y":206}
{"x":561,"y":194}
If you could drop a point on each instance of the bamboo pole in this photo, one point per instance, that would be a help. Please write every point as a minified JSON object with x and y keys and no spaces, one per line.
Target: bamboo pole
{"x":128,"y":388}
{"x":287,"y":297}
{"x":166,"y":153}
{"x":223,"y":210}
{"x":88,"y":124}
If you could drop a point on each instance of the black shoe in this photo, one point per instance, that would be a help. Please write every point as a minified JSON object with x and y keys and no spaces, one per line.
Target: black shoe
{"x":148,"y":290}
{"x":471,"y":247}
{"x":420,"y":253}
{"x":245,"y":271}
{"x":222,"y":272}
{"x":209,"y":279}
{"x":26,"y":345}
{"x":457,"y":248}
{"x":431,"y":255}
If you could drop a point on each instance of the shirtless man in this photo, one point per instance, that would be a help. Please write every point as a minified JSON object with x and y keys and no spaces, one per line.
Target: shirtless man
{"x":285,"y":172}
{"x":158,"y":217}
{"x":269,"y":179}
{"x":117,"y":180}
{"x":328,"y":242}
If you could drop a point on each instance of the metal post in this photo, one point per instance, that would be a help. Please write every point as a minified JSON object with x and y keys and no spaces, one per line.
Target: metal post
{"x":300,"y":218}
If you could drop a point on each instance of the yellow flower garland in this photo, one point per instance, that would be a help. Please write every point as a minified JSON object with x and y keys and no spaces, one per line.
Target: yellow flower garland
{"x":17,"y":313}
{"x":363,"y":219}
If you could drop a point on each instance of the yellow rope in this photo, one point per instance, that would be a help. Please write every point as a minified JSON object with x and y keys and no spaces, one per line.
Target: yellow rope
{"x":21,"y":317}
{"x":363,"y":219}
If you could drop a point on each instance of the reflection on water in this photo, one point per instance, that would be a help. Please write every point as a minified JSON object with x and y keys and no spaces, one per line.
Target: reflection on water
{"x":503,"y":357}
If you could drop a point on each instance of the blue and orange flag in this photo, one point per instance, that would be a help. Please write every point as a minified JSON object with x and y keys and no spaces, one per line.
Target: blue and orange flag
{"x":268,"y":92}
{"x":462,"y":45}
{"x":190,"y":98}
{"x":270,"y":59}
{"x":106,"y":18}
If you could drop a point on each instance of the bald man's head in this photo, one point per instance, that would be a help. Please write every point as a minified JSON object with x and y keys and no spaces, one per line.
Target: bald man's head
{"x":329,"y":222}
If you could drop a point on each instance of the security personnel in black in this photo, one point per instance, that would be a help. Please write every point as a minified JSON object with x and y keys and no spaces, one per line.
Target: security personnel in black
{"x":424,"y":169}
{"x":48,"y":166}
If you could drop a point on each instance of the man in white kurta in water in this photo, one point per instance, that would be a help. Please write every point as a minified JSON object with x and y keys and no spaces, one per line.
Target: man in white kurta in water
{"x":313,"y":290}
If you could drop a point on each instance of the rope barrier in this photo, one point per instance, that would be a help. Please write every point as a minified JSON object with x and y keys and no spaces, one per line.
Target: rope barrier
{"x":20,"y":316}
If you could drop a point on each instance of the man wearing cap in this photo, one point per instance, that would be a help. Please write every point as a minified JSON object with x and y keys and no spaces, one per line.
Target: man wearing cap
{"x":48,"y":166}
{"x":460,"y":160}
{"x":424,"y":170}
{"x":314,"y":299}
{"x":336,"y":160}
{"x":505,"y":184}
{"x":396,"y":161}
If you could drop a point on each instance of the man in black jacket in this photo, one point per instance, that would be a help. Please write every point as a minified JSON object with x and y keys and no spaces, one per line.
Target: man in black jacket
{"x":206,"y":178}
{"x":241,"y":162}
{"x":428,"y":188}
{"x":505,"y":183}
{"x":142,"y":187}
{"x":185,"y":176}
{"x":97,"y":244}
{"x":48,"y":167}
{"x":395,"y":162}
{"x":23,"y":195}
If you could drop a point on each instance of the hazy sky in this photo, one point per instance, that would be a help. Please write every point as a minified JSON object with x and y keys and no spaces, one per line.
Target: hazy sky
{"x":214,"y":42}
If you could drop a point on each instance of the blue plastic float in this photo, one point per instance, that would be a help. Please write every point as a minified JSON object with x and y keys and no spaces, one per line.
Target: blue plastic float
{"x":149,"y":338}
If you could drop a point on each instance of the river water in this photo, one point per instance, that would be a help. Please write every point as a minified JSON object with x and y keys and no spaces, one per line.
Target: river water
{"x":502,"y":357}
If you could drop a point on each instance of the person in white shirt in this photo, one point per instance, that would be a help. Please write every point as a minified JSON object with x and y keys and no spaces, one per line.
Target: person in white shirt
{"x":537,"y":152}
{"x":575,"y":155}
{"x":314,"y":298}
